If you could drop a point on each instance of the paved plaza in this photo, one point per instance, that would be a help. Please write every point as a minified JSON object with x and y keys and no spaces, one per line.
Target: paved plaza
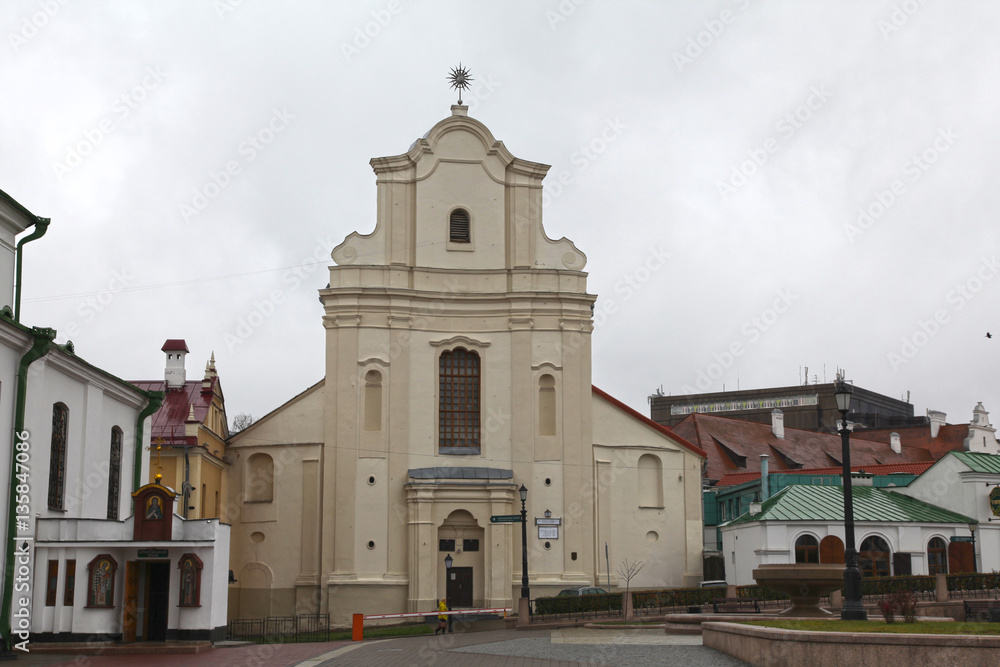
{"x":532,"y":648}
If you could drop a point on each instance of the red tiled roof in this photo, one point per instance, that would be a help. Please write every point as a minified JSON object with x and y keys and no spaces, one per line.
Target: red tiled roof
{"x":732,"y":479}
{"x":169,"y":420}
{"x":649,"y":422}
{"x":950,"y":438}
{"x":735,"y":446}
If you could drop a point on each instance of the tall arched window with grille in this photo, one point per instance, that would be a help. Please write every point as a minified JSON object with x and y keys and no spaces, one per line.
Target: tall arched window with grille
{"x":57,"y":457}
{"x":115,"y":473}
{"x":458,"y":402}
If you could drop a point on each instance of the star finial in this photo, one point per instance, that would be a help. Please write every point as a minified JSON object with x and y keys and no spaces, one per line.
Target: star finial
{"x":460,"y":79}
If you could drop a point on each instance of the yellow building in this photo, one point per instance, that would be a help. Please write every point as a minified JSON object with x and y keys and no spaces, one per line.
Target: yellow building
{"x":190,"y":430}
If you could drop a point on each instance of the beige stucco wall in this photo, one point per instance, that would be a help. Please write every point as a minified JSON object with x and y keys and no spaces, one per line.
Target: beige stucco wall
{"x":348,"y":529}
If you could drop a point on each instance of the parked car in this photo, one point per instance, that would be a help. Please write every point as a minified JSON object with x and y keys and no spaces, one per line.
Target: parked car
{"x":715,"y":583}
{"x":586,"y":590}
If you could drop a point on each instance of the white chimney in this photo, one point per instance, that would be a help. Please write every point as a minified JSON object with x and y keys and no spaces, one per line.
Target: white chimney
{"x":894,"y":443}
{"x":937,"y":421}
{"x":778,"y":424}
{"x":174,"y":374}
{"x":755,"y":508}
{"x":861,"y":479}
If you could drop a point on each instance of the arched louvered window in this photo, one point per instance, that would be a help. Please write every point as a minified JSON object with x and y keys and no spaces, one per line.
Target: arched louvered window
{"x":459,"y":226}
{"x":57,"y":457}
{"x":458,"y":402}
{"x":115,"y":473}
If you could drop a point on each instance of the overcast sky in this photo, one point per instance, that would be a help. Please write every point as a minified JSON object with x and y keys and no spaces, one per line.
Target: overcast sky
{"x":759,"y":187}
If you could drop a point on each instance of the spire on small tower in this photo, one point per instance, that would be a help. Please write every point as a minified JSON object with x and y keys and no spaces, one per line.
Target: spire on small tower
{"x":210,"y":371}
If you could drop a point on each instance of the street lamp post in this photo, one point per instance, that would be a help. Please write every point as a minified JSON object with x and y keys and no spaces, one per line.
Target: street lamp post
{"x":525,"y":593}
{"x":448,"y":560}
{"x":972,"y":529}
{"x":852,"y":610}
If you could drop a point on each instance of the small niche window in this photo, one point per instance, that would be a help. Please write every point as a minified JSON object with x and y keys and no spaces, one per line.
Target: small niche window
{"x":373,"y":401}
{"x":546,"y":405}
{"x":446,"y":545}
{"x":470,"y":545}
{"x":458,"y":226}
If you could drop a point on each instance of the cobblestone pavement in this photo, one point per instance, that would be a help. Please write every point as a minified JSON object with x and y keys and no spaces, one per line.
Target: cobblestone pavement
{"x":268,"y":655}
{"x":533,"y":648}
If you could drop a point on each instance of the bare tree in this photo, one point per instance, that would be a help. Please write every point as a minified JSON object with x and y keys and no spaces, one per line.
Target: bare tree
{"x":240,"y":422}
{"x":627,"y":571}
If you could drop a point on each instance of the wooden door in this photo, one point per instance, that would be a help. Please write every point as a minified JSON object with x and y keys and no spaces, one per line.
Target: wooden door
{"x":131,"y":601}
{"x":831,"y":550}
{"x":459,"y":590}
{"x":960,"y":558}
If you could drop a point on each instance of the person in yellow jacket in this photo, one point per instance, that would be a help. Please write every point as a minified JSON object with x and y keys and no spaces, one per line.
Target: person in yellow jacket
{"x":442,"y":618}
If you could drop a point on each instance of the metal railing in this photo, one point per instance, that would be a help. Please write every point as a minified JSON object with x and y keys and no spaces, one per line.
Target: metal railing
{"x":985,"y":585}
{"x":577,"y":607}
{"x":280,"y":629}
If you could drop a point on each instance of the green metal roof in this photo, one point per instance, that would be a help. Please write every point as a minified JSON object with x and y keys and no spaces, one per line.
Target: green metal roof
{"x":979,"y":461}
{"x":801,"y":502}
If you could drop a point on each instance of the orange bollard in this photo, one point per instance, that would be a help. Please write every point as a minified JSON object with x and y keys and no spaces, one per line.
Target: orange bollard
{"x":358,"y":628}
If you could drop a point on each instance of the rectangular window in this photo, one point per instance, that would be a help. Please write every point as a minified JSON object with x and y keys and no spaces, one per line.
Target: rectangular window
{"x":51,"y":583}
{"x":70,"y":591}
{"x":203,"y":500}
{"x":470,"y":545}
{"x":446,"y":545}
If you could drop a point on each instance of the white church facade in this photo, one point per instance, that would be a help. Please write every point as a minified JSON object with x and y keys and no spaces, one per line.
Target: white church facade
{"x":458,"y":369}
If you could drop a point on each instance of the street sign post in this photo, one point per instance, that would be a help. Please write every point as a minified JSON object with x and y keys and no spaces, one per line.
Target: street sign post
{"x":505,"y":518}
{"x":962,"y":538}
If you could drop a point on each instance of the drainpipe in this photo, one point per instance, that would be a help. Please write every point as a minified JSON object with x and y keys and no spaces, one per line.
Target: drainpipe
{"x":765,"y":482}
{"x":155,"y":401}
{"x":41,"y":226}
{"x":42,"y":340}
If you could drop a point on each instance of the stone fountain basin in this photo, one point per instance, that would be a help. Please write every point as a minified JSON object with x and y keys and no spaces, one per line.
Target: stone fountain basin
{"x":803,"y":583}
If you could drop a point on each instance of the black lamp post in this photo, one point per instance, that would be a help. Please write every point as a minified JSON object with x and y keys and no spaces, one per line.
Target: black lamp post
{"x":525,"y":593}
{"x":852,"y":610}
{"x":972,"y":529}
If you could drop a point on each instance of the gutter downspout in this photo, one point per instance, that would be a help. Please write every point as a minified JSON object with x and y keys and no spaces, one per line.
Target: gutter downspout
{"x":41,"y":343}
{"x":155,"y":401}
{"x":41,"y":226}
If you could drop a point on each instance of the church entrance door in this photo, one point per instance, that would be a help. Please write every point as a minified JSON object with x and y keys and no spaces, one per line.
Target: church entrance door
{"x":131,"y":601}
{"x":459,"y":590}
{"x":157,"y":600}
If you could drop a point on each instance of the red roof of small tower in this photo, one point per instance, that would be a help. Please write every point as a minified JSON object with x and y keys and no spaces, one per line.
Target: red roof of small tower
{"x":175,"y":345}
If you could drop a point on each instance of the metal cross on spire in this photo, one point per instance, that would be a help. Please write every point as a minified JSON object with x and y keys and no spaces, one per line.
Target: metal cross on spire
{"x":158,"y":442}
{"x":460,"y":79}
